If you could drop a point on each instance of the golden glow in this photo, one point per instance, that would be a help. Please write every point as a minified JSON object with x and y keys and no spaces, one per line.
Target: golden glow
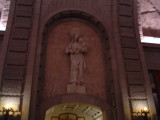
{"x":10,"y":102}
{"x":145,"y":109}
{"x":74,"y":111}
{"x":138,"y":106}
{"x":8,"y":106}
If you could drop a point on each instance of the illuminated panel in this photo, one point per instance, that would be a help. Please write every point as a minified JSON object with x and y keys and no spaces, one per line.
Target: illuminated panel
{"x":154,"y":40}
{"x":4,"y":14}
{"x":10,"y":102}
{"x":74,"y":111}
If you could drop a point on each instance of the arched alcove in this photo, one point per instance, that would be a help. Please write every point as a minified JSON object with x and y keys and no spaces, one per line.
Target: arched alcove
{"x":56,"y":65}
{"x":74,"y":111}
{"x":85,"y":100}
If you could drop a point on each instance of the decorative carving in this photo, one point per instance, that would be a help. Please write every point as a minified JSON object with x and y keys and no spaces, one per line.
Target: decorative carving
{"x":76,"y":50}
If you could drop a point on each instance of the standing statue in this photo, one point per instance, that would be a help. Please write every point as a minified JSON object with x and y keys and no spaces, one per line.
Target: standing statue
{"x":76,"y":50}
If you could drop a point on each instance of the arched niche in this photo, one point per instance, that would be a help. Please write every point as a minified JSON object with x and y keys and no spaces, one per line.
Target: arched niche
{"x":56,"y":64}
{"x":46,"y":107}
{"x":74,"y":111}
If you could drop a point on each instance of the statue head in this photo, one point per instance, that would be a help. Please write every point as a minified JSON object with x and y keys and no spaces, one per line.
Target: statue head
{"x":75,"y":33}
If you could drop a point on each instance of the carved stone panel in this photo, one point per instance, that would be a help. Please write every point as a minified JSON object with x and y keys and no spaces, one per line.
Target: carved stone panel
{"x":57,"y":70}
{"x":137,"y":92}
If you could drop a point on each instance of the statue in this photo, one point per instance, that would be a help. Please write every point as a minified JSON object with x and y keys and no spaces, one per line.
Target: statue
{"x":76,"y":50}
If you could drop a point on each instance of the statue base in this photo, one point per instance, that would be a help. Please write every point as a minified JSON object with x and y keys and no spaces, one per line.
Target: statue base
{"x":72,"y":88}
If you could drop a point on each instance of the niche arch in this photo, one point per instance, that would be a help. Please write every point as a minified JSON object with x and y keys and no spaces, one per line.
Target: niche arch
{"x":95,"y":24}
{"x":74,"y":111}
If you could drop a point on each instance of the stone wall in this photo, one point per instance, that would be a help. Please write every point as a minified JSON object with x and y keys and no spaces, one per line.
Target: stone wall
{"x":152,"y":56}
{"x":1,"y":37}
{"x":150,"y":17}
{"x":21,"y":65}
{"x":132,"y":54}
{"x":14,"y":54}
{"x":99,"y":13}
{"x":57,"y":63}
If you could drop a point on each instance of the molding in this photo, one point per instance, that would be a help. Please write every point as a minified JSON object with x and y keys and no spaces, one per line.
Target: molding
{"x":6,"y":38}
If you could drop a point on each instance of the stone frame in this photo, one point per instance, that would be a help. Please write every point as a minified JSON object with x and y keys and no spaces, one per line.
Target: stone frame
{"x":86,"y":98}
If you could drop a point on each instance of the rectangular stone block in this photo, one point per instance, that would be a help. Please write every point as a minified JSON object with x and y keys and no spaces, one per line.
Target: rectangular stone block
{"x":12,"y":87}
{"x":14,"y":73}
{"x":151,"y":32}
{"x":135,"y":78}
{"x":132,"y":65}
{"x":125,"y":10}
{"x":25,"y":2}
{"x":126,"y":2}
{"x":22,"y":22}
{"x":14,"y":58}
{"x":137,"y":92}
{"x":127,"y":32}
{"x":130,"y":53}
{"x":1,"y":35}
{"x":76,"y":89}
{"x":138,"y":105}
{"x":23,"y":11}
{"x":126,"y":21}
{"x":152,"y":57}
{"x":18,"y":33}
{"x":18,"y":45}
{"x":129,"y":42}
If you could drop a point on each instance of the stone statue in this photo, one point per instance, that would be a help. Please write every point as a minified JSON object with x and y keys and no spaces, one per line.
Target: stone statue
{"x":76,"y":50}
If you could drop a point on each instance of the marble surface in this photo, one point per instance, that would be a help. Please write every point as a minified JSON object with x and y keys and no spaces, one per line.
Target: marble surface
{"x":150,"y":14}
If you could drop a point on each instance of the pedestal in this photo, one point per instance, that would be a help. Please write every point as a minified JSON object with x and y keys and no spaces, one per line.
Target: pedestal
{"x":76,"y":89}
